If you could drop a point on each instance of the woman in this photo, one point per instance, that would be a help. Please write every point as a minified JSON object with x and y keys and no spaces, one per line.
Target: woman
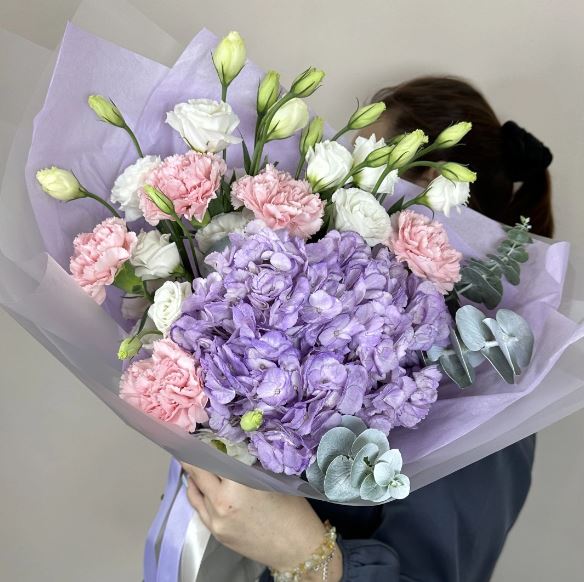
{"x":454,"y":529}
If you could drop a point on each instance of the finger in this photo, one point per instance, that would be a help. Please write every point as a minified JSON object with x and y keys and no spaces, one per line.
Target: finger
{"x":197,"y":500}
{"x":208,"y":483}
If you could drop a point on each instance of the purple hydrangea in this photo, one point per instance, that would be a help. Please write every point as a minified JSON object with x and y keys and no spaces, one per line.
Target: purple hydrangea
{"x":307,"y":333}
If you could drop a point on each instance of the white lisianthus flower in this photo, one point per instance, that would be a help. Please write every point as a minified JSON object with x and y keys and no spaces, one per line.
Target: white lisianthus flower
{"x":60,"y":184}
{"x":368,"y":177}
{"x":444,"y":194}
{"x":206,"y":125}
{"x":128,"y":183}
{"x":359,"y":211}
{"x":328,"y":164}
{"x":217,"y":231}
{"x":238,"y":451}
{"x":154,"y":256}
{"x":166,"y":308}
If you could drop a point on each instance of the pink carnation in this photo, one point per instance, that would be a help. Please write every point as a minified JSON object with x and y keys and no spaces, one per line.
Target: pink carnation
{"x":98,"y":256}
{"x":423,"y":244}
{"x":280,"y":201}
{"x":190,"y":180}
{"x":167,"y":386}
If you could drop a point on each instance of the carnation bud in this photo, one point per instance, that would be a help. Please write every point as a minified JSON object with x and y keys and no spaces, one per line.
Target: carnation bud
{"x":311,"y":135}
{"x":407,"y":148}
{"x":229,"y":57}
{"x":268,"y":92}
{"x":378,"y":157}
{"x":457,"y":172}
{"x":287,"y":120}
{"x":161,"y":201}
{"x":307,"y":82}
{"x":60,"y":184}
{"x":129,"y":347}
{"x":366,"y":115}
{"x":106,"y":110}
{"x":453,"y":134}
{"x":251,"y":420}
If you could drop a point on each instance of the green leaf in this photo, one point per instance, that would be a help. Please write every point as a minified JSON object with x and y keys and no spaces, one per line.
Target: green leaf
{"x":371,"y":491}
{"x":481,"y":288}
{"x":519,"y":235}
{"x":362,"y":463}
{"x":246,"y":157}
{"x":315,"y":476}
{"x":521,"y":340}
{"x":371,"y":435}
{"x":127,"y":280}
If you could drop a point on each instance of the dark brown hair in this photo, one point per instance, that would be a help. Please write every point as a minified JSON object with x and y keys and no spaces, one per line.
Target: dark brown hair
{"x":434,"y":103}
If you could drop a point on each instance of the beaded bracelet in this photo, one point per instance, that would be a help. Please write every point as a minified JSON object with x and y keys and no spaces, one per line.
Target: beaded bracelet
{"x":319,"y":559}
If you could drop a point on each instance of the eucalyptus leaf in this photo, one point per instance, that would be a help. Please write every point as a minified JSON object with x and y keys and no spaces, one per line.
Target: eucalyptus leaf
{"x":517,"y":328}
{"x":519,"y":235}
{"x":461,"y":351}
{"x":362,"y":466}
{"x":455,"y":370}
{"x":371,"y":491}
{"x":371,"y":435}
{"x":480,"y":287}
{"x":337,"y":441}
{"x":315,"y":476}
{"x":434,"y":353}
{"x":392,"y":457}
{"x":469,"y":322}
{"x":500,"y":363}
{"x":353,"y":423}
{"x":337,"y":481}
{"x":504,"y":341}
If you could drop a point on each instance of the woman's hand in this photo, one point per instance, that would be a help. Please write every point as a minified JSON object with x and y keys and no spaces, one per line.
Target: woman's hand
{"x":280,"y":531}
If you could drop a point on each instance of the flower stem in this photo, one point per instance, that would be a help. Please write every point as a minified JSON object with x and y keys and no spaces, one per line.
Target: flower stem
{"x":101,"y":201}
{"x":299,"y":167}
{"x":134,"y":140}
{"x":340,"y":133}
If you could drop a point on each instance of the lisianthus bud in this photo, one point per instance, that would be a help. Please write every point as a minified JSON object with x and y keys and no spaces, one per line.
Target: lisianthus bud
{"x":251,"y":420}
{"x":453,"y":134}
{"x":406,"y":148}
{"x":290,"y":118}
{"x":443,"y":194}
{"x":106,"y":110}
{"x":162,"y":202}
{"x":229,"y":57}
{"x":457,"y":172}
{"x":311,"y":135}
{"x":366,"y":115}
{"x":268,"y":92}
{"x":378,"y":157}
{"x":129,"y":347}
{"x":328,"y":165}
{"x":307,"y":82}
{"x":60,"y":184}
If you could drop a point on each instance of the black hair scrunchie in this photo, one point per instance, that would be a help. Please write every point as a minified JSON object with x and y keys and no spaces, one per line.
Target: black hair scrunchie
{"x":523,"y":154}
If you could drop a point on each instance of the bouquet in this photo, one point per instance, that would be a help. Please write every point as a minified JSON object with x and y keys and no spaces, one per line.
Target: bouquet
{"x":282,"y":306}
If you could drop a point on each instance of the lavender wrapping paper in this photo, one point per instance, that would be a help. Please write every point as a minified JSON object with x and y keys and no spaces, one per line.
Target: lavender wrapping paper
{"x":37,"y":291}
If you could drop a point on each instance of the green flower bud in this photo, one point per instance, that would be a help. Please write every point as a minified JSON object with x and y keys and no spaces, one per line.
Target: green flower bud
{"x":311,"y":135}
{"x":378,"y":157}
{"x":162,"y":202}
{"x":60,"y":184}
{"x":251,"y":420}
{"x":129,"y":347}
{"x":366,"y":115}
{"x":127,"y":280}
{"x":457,"y":172}
{"x":307,"y":82}
{"x":289,"y":119}
{"x":106,"y":110}
{"x":229,"y":57}
{"x":406,"y":148}
{"x":453,"y":134}
{"x":268,"y":92}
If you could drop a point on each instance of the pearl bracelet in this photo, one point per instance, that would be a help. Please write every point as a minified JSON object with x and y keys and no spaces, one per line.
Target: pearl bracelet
{"x":319,"y":560}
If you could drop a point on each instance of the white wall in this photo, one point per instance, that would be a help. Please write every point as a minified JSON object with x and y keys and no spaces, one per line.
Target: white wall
{"x":76,"y":506}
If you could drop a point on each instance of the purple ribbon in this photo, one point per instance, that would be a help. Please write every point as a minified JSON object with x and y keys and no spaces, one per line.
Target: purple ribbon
{"x":172,"y":484}
{"x":174,"y":538}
